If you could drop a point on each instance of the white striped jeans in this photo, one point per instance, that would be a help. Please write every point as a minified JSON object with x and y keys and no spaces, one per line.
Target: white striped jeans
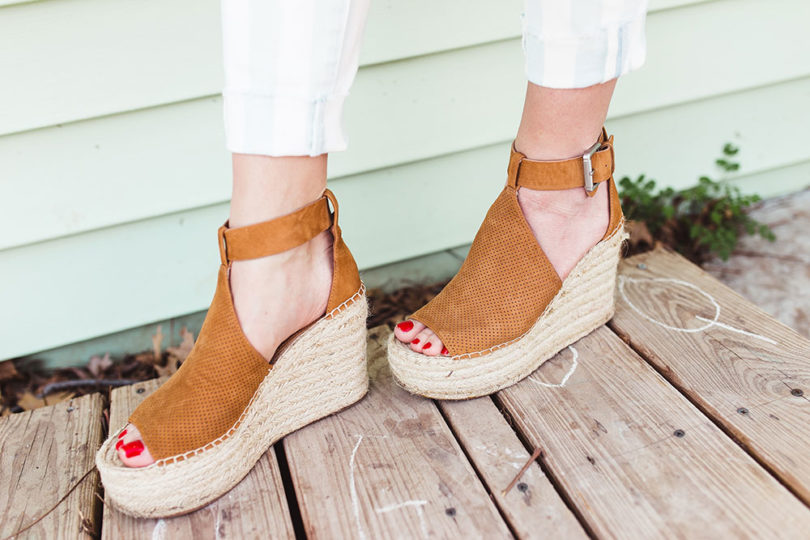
{"x":289,"y":64}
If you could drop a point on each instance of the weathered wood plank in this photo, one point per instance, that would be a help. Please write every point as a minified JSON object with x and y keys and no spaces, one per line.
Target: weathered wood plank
{"x":638,"y":460}
{"x":256,"y":508}
{"x":741,"y":366}
{"x":44,"y":453}
{"x":532,"y":506}
{"x":387,"y":467}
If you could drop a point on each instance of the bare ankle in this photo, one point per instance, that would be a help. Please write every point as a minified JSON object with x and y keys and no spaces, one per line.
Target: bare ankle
{"x":564,"y":202}
{"x":267,"y":187}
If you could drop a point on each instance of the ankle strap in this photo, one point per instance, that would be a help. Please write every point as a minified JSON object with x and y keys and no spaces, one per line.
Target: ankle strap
{"x":276,"y":235}
{"x":564,"y":174}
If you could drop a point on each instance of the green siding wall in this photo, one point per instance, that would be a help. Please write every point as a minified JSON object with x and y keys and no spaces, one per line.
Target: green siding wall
{"x":114,"y":177}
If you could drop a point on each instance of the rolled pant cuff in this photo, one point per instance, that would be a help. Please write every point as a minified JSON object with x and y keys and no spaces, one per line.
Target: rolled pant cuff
{"x":283,"y":125}
{"x":584,"y":60}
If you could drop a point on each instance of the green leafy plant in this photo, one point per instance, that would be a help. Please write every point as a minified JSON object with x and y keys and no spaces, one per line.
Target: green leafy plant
{"x":700,"y":221}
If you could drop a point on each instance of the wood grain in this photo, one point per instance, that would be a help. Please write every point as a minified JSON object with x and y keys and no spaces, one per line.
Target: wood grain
{"x":756,"y":386}
{"x":388,"y":467}
{"x":44,"y":453}
{"x":639,"y":461}
{"x":256,"y":508}
{"x":532,"y":506}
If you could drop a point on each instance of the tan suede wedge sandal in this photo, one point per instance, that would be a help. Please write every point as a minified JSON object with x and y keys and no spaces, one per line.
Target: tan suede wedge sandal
{"x":211,"y":421}
{"x":507,"y":311}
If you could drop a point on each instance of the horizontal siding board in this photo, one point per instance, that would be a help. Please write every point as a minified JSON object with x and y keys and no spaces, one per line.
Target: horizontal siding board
{"x":721,"y":47}
{"x":122,"y":55}
{"x":107,"y":171}
{"x":123,"y":276}
{"x":173,"y":158}
{"x":127,"y":54}
{"x":125,"y":168}
{"x":119,"y":277}
{"x":4,"y":3}
{"x":788,"y":178}
{"x":108,"y":222}
{"x":675,"y":145}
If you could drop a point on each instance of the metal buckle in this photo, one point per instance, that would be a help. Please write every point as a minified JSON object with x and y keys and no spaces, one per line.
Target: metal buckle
{"x":587,"y":169}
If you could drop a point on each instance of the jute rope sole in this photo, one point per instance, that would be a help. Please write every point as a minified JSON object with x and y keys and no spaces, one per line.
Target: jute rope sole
{"x":321,"y":371}
{"x":584,"y":303}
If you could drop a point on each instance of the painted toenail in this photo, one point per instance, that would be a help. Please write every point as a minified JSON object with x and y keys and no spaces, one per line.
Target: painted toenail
{"x":416,"y":341}
{"x":426,"y":345}
{"x":133,"y":449}
{"x":405,"y":326}
{"x":445,"y":351}
{"x":119,"y":444}
{"x":121,"y":435}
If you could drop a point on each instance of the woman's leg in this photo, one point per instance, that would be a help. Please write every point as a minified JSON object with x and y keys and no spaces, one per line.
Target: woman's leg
{"x":575,"y":51}
{"x":288,"y":68}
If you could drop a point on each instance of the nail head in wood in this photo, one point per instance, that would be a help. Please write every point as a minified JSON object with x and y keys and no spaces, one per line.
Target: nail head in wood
{"x":641,"y":266}
{"x":523,"y":487}
{"x":742,"y":410}
{"x":798,"y":392}
{"x":679,"y":433}
{"x":139,"y":390}
{"x":450,"y":511}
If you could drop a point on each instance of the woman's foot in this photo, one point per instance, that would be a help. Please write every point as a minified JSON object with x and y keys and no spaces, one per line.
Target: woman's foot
{"x":566,"y":224}
{"x":274,"y":297}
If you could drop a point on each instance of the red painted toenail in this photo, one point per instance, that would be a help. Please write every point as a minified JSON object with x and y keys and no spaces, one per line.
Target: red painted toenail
{"x":405,"y":326}
{"x":445,"y":351}
{"x":119,"y":444}
{"x":416,"y":341}
{"x":133,"y":449}
{"x":426,"y":345}
{"x":121,"y":435}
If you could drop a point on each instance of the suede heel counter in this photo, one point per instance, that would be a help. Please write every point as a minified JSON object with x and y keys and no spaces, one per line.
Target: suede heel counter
{"x":346,"y":280}
{"x":616,"y":214}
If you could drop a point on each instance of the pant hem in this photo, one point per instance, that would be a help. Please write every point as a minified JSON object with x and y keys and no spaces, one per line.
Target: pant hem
{"x":276,"y":125}
{"x":585,"y":60}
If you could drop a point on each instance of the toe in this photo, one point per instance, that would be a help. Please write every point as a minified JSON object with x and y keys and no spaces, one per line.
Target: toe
{"x":406,"y":331}
{"x":433,"y":346}
{"x":131,"y":450}
{"x":422,"y":340}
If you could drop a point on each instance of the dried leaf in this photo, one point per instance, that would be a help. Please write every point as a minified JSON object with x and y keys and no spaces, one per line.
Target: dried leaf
{"x":98,"y":364}
{"x":168,"y":370}
{"x":8,"y":371}
{"x":157,"y":339}
{"x":147,"y":358}
{"x":29,"y":401}
{"x":639,"y":234}
{"x":58,"y":397}
{"x":182,"y":351}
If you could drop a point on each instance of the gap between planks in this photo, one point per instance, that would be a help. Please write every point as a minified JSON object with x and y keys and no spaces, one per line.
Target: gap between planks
{"x":747,"y":372}
{"x":391,"y":466}
{"x":44,"y":457}
{"x":638,"y":460}
{"x":471,"y":429}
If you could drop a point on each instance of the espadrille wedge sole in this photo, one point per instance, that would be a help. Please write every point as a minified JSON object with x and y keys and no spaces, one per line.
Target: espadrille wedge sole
{"x":319,"y":372}
{"x":584,"y":302}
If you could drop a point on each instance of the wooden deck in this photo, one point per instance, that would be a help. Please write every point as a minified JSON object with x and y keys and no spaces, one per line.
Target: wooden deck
{"x":687,"y":416}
